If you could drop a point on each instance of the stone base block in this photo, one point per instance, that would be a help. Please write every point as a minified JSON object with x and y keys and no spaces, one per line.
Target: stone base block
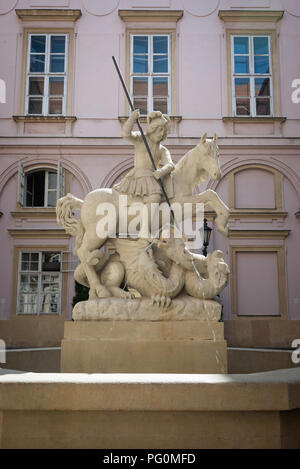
{"x":144,"y":347}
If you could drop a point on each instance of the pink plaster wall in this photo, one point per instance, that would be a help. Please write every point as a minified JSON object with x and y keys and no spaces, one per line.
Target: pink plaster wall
{"x":254,"y":188}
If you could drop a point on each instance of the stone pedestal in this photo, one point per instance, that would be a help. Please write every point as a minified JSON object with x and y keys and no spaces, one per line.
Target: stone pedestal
{"x":132,"y":346}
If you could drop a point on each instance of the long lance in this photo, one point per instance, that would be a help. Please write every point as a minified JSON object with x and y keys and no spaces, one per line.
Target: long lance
{"x":144,"y":138}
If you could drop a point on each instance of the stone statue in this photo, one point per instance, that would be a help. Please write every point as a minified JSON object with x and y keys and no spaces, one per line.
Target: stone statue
{"x":141,"y":181}
{"x":147,"y":275}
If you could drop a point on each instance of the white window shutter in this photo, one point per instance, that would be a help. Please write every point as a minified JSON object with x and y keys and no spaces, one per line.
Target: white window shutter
{"x":60,"y":181}
{"x":21,"y":185}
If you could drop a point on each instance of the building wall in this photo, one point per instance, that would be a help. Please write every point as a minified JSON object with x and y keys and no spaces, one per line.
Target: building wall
{"x":259,"y":158}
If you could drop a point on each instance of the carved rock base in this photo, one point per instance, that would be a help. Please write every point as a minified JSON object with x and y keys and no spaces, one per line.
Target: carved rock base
{"x":184,"y":307}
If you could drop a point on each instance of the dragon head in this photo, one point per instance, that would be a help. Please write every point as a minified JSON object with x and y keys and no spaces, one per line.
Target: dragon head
{"x":175,"y":249}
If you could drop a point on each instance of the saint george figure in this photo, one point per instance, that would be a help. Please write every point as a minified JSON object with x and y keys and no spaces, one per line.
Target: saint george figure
{"x":142,"y":181}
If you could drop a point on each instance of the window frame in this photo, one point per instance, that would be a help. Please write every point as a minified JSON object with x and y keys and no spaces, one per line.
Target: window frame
{"x":46,"y":74}
{"x":151,"y":74}
{"x":272,"y":33}
{"x":171,"y":32}
{"x":22,"y":184}
{"x":39,"y":273}
{"x":68,"y":70}
{"x":251,"y":75}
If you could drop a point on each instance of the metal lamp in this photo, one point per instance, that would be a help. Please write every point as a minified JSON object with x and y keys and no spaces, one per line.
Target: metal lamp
{"x":207,"y":233}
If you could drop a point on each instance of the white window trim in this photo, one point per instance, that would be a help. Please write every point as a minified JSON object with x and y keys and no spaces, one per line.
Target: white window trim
{"x":251,"y":75}
{"x":46,"y":74}
{"x":150,"y":73}
{"x":38,"y":272}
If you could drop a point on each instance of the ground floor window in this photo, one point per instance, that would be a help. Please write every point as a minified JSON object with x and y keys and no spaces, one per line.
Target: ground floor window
{"x":39,"y":282}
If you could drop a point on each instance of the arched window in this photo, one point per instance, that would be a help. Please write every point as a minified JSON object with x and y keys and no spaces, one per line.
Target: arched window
{"x":40,"y":187}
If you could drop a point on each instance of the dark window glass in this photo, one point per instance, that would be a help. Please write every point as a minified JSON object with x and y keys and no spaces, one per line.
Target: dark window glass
{"x":140,"y":86}
{"x":242,"y":86}
{"x":262,"y":86}
{"x":140,"y":45}
{"x":261,"y":64}
{"x":35,"y":106}
{"x":58,"y":44}
{"x":140,"y":64}
{"x":38,"y":44}
{"x":56,"y":85}
{"x":35,"y":193}
{"x":141,"y":104}
{"x":57,"y":63}
{"x":263,"y":107}
{"x":51,"y":261}
{"x":160,"y":104}
{"x":261,"y":45}
{"x":55,"y":105}
{"x":243,"y":106}
{"x":160,"y":87}
{"x":160,"y":64}
{"x":37,"y":63}
{"x":160,"y":44}
{"x":241,"y":64}
{"x":36,"y":85}
{"x":241,"y":45}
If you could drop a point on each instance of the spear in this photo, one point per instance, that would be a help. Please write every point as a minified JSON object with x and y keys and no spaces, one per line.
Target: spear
{"x":143,"y":137}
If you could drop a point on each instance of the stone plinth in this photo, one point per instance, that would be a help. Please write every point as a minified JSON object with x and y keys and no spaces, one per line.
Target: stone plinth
{"x":56,"y":410}
{"x":134,"y":346}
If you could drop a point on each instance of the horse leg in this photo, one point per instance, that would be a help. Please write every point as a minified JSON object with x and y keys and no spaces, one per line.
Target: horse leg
{"x":89,"y":255}
{"x":210,"y":198}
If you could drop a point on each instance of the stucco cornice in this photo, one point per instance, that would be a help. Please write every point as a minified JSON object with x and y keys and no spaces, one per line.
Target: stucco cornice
{"x":44,"y":118}
{"x":249,"y":16}
{"x":253,"y":120}
{"x":43,"y":213}
{"x":257,"y":214}
{"x":143,"y":119}
{"x":150,"y":15}
{"x":258,"y":234}
{"x":38,"y":234}
{"x":245,"y":143}
{"x":38,"y":14}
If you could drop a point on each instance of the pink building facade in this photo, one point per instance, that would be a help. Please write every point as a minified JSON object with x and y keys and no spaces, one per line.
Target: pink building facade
{"x":225,"y":66}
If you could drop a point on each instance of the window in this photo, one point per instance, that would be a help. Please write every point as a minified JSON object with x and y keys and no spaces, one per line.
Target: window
{"x":150,"y":72}
{"x":40,"y":187}
{"x":46,"y":77}
{"x":251,"y":65}
{"x":39,"y":283}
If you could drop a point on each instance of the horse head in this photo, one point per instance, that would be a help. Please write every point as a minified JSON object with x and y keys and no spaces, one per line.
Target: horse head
{"x":208,"y":151}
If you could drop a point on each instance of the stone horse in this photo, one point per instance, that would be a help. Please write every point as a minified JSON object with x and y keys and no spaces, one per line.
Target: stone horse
{"x":196,"y":166}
